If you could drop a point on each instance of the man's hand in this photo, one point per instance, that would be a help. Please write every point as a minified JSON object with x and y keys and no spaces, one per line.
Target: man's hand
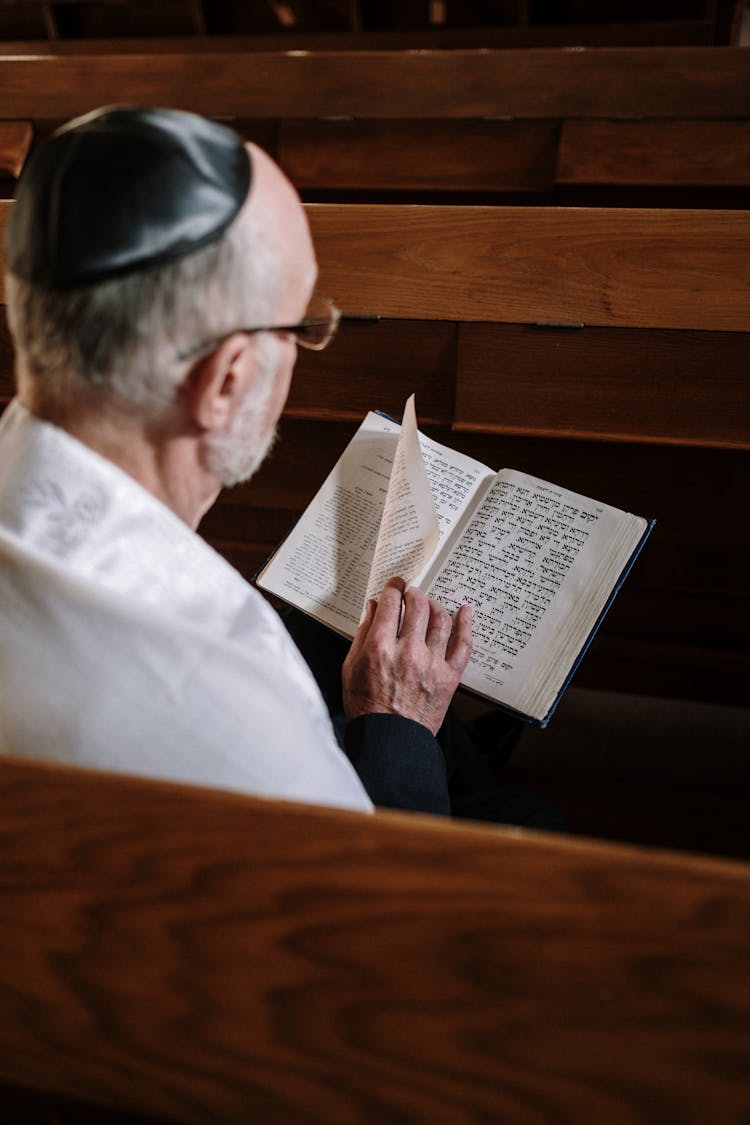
{"x":412,"y":670}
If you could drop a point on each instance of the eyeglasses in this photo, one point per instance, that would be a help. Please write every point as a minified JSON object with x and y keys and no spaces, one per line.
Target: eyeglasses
{"x":315,"y":331}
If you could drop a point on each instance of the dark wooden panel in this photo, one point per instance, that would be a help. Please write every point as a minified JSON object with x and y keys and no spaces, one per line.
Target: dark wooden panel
{"x":282,"y":16}
{"x":652,"y":667}
{"x":655,"y":815}
{"x":630,"y":268}
{"x":714,"y":617}
{"x":709,"y":153}
{"x":33,"y":1108}
{"x":376,"y":366}
{"x":609,"y":82}
{"x":101,"y":19}
{"x":622,"y":384}
{"x":428,"y":155}
{"x":205,"y":956}
{"x":15,"y":140}
{"x":21,"y":21}
{"x":631,"y":9}
{"x":5,"y":206}
{"x":653,"y":33}
{"x":6,"y":359}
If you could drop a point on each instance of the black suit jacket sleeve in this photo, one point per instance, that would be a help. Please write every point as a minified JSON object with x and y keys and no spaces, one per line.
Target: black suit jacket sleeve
{"x":399,"y":762}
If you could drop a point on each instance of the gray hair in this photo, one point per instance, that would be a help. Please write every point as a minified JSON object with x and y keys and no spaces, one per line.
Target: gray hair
{"x":121,"y":339}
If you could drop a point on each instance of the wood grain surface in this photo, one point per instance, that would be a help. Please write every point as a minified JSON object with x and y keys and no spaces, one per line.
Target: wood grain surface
{"x":413,"y":155}
{"x":616,"y":384}
{"x":375,"y":366}
{"x":682,"y":82}
{"x":600,"y":266}
{"x":209,"y":957}
{"x":15,"y":141}
{"x":709,"y":153}
{"x":634,"y":33}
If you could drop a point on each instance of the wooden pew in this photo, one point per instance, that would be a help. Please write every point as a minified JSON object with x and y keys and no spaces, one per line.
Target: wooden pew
{"x":552,"y":125}
{"x":644,"y":407}
{"x":191,"y":955}
{"x":348,"y":24}
{"x":32,"y":19}
{"x":691,"y":82}
{"x":708,"y":153}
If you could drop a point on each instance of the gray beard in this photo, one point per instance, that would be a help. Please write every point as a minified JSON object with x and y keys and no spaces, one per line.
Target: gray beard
{"x":235,"y":456}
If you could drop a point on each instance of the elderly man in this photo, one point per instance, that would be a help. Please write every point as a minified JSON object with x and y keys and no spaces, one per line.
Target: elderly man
{"x":160,"y":274}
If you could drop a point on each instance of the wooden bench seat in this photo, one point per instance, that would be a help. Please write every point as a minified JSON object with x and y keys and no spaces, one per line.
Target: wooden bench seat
{"x":195,"y":956}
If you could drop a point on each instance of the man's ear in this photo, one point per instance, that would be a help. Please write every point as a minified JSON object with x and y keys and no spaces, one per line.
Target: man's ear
{"x":218,"y":383}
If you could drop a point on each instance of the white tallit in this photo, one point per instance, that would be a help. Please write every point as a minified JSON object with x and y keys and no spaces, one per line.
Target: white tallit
{"x":127,"y":643}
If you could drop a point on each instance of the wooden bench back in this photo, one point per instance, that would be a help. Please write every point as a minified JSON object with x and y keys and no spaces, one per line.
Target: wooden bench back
{"x":586,"y":282}
{"x":452,"y":122}
{"x":644,"y":407}
{"x":681,"y":82}
{"x":202,"y":956}
{"x":348,"y":25}
{"x":599,"y":266}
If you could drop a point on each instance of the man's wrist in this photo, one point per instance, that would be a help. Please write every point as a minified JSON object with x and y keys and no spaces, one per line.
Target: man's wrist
{"x":399,"y":762}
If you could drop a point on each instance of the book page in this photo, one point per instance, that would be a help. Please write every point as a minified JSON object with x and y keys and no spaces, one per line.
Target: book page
{"x":409,"y":526}
{"x":324,"y":565}
{"x":537,"y":564}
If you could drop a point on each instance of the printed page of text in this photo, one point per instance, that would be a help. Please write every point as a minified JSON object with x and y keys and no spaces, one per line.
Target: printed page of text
{"x":537,"y":564}
{"x":323,"y":567}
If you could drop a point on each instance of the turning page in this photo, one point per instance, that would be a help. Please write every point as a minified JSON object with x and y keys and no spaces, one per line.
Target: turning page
{"x":409,"y":528}
{"x":324,"y":566}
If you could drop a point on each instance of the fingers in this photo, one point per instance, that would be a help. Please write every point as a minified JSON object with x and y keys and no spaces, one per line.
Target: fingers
{"x":458,"y":650}
{"x":381,"y":615}
{"x":439,"y":627}
{"x":424,"y":619}
{"x":407,"y":657}
{"x":364,"y":625}
{"x":388,"y":610}
{"x":416,"y":614}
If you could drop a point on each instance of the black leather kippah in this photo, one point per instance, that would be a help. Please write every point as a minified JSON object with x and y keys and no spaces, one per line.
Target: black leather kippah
{"x":121,"y":189}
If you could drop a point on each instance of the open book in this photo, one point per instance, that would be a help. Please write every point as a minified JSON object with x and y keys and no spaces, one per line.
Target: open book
{"x":538,"y":564}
